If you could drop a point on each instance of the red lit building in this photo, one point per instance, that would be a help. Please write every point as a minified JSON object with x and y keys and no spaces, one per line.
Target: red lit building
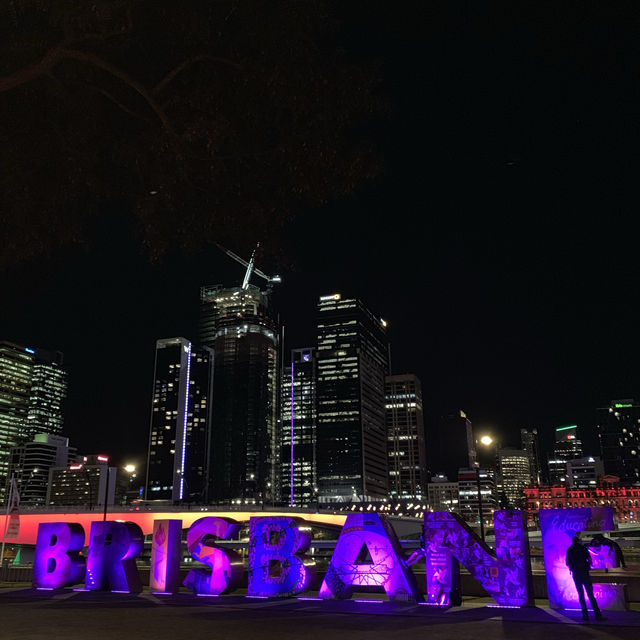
{"x":624,"y":500}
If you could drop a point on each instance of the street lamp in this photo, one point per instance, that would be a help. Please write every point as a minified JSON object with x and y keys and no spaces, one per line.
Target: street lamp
{"x":486,"y":441}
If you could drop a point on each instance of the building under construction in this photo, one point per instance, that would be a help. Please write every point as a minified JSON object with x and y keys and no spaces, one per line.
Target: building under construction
{"x":240,"y":326}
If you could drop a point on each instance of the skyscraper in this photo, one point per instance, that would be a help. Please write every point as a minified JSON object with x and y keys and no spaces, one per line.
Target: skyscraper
{"x":515,"y":475}
{"x":405,"y":437}
{"x":352,"y":361}
{"x":31,"y":461}
{"x":47,"y":394}
{"x":180,"y":431}
{"x":15,"y":386}
{"x":456,"y":447}
{"x":619,"y":435}
{"x":567,"y":447}
{"x":530,"y":445}
{"x":240,"y":326}
{"x":298,"y":436}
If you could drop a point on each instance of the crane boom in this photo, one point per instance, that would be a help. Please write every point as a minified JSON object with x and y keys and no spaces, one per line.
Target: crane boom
{"x":251,"y":268}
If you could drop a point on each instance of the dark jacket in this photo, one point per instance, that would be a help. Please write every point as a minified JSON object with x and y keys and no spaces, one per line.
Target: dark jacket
{"x":578,"y":559}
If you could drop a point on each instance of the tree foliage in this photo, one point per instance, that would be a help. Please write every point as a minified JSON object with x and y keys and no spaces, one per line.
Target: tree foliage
{"x":213,"y":120}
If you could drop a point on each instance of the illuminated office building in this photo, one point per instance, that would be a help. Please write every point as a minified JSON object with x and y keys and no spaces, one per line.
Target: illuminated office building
{"x":619,"y":434}
{"x":405,"y":437}
{"x":15,"y":387}
{"x":472,"y":482}
{"x":584,"y":473}
{"x":30,"y":464}
{"x":515,"y":475}
{"x":352,"y":362}
{"x":47,"y":394}
{"x":530,"y":445}
{"x":567,"y":447}
{"x":442,"y":495}
{"x":180,"y":431}
{"x":240,"y":326}
{"x":86,"y":483}
{"x":298,"y":434}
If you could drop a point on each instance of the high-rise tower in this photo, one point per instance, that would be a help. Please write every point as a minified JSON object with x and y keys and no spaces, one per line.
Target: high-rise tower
{"x":567,"y":447}
{"x":47,"y":394}
{"x":298,"y":435}
{"x":240,"y":326}
{"x":456,"y":448}
{"x":619,"y":435}
{"x":352,"y":361}
{"x":405,"y":437}
{"x":33,"y":386}
{"x":180,"y":432}
{"x":530,"y":445}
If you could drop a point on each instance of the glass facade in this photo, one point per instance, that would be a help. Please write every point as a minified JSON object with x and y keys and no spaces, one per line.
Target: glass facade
{"x":515,"y":474}
{"x":47,"y":394}
{"x":177,"y":464}
{"x":405,"y":437}
{"x":15,"y":387}
{"x":352,"y":362}
{"x":529,"y":441}
{"x":567,"y":447}
{"x":240,"y":326}
{"x":298,"y":435}
{"x":619,"y":435}
{"x":469,"y":504}
{"x":30,"y":464}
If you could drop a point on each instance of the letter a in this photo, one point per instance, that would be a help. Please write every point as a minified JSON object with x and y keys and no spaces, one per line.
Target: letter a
{"x":370,"y":535}
{"x":276,"y":566}
{"x":57,"y":563}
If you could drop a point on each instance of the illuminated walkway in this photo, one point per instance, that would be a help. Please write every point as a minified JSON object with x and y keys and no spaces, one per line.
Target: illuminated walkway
{"x":28,"y":615}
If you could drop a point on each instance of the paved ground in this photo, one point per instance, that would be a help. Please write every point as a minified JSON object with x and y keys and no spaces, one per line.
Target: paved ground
{"x":40,"y":615}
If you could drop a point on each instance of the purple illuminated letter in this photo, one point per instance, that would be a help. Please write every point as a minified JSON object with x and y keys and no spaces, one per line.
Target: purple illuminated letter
{"x":164,"y":573}
{"x":111,"y":562}
{"x":371,"y":536}
{"x":276,"y":564}
{"x":57,"y":563}
{"x":225,"y":566}
{"x":505,"y":574}
{"x":558,"y":527}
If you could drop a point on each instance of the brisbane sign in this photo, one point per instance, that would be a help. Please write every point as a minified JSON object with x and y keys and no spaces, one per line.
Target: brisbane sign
{"x":278,"y":566}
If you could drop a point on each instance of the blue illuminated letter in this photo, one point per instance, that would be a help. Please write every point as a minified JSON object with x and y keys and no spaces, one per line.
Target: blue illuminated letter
{"x":372,"y":535}
{"x":57,"y":563}
{"x":276,"y":564}
{"x":111,"y":562}
{"x":225,"y":566}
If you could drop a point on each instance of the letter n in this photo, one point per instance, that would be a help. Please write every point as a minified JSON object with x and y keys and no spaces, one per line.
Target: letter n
{"x":505,"y":574}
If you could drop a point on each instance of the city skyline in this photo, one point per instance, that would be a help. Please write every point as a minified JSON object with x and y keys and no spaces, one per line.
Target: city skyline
{"x":494,"y":239}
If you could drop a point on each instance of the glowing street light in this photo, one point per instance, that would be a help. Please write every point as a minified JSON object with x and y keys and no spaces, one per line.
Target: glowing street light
{"x":130,"y":468}
{"x":486,"y":440}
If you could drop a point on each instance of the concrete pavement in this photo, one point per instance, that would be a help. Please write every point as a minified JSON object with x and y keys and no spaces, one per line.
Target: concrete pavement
{"x":38,"y":615}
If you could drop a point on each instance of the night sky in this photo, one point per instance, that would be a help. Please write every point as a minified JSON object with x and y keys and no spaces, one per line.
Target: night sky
{"x":499,"y":241}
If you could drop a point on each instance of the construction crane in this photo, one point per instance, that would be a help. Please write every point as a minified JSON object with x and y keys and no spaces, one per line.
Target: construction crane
{"x":251,"y":267}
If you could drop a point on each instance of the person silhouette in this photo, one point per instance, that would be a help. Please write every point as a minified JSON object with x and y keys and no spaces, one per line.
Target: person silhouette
{"x":579,"y":562}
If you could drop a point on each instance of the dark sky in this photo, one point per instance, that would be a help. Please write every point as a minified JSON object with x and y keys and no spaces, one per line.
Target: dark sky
{"x":500,"y":240}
